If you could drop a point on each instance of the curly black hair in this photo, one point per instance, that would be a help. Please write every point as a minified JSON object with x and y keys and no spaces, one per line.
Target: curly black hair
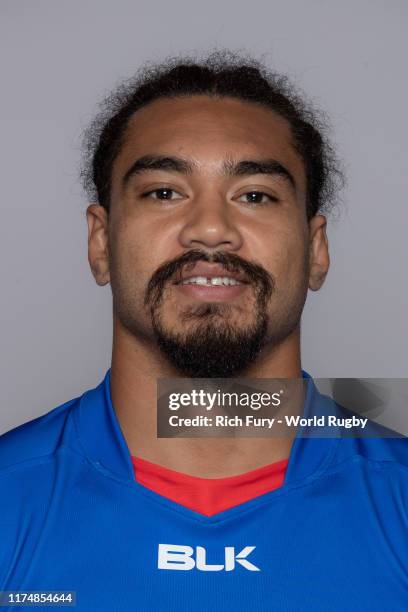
{"x":221,"y":73}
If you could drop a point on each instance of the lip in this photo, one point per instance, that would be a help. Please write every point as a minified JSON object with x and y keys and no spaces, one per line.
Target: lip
{"x":213,"y":293}
{"x":210,"y":270}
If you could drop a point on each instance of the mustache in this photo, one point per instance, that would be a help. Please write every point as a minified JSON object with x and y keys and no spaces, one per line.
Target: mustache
{"x":263,"y":281}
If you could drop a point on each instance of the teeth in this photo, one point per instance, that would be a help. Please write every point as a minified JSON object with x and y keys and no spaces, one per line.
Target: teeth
{"x":217,"y":280}
{"x":224,"y":280}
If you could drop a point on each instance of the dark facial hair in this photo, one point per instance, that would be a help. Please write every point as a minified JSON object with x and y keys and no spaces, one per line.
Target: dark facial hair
{"x":214,"y":349}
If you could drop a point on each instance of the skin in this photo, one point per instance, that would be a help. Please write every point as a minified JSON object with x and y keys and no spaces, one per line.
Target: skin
{"x":208,"y":211}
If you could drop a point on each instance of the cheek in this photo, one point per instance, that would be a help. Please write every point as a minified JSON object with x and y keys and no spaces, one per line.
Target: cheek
{"x":136,"y":256}
{"x":294,"y":258}
{"x":130,"y":262}
{"x":288,"y":263}
{"x":141,"y":242}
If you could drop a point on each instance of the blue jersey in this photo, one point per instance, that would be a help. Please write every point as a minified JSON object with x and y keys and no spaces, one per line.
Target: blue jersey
{"x":333,"y":538}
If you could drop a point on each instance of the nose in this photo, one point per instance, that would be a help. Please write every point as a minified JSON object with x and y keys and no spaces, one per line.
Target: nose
{"x":209,"y":223}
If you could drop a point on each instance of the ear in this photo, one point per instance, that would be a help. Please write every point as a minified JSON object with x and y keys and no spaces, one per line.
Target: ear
{"x":319,"y":260}
{"x":98,"y":251}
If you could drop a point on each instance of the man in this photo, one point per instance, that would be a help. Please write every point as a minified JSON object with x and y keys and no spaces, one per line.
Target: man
{"x":211,"y":179}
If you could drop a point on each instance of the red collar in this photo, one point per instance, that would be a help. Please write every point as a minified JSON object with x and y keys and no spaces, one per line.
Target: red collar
{"x":209,"y":496}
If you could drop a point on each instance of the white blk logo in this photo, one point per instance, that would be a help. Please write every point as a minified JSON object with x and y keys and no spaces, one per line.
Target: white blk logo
{"x":178,"y":557}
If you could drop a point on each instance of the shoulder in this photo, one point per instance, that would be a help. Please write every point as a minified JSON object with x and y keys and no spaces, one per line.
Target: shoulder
{"x":29,"y":458}
{"x":385,"y":449}
{"x":378,"y":445}
{"x":374,"y":442}
{"x":35,"y":440}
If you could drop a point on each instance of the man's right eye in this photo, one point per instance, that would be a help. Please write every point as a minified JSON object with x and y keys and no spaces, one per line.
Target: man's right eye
{"x":162,"y":193}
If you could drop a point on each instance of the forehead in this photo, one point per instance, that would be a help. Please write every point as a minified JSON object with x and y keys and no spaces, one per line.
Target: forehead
{"x":208,"y":130}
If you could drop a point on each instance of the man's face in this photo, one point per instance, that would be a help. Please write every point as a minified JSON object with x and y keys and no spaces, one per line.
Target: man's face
{"x":208,"y":240}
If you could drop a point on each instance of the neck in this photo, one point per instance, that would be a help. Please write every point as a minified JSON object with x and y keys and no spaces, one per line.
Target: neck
{"x":136,"y":366}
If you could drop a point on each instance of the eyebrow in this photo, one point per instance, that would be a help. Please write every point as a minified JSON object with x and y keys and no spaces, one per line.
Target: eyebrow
{"x":158,"y":162}
{"x":230,"y":168}
{"x":263,"y":166}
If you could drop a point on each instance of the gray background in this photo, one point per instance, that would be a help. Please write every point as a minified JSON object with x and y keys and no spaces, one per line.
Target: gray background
{"x":58,"y":58}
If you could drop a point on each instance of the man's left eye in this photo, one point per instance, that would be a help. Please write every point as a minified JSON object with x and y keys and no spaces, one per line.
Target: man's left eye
{"x":257,"y":197}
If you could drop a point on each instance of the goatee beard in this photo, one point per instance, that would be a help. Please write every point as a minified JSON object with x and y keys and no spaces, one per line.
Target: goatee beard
{"x":214,"y":349}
